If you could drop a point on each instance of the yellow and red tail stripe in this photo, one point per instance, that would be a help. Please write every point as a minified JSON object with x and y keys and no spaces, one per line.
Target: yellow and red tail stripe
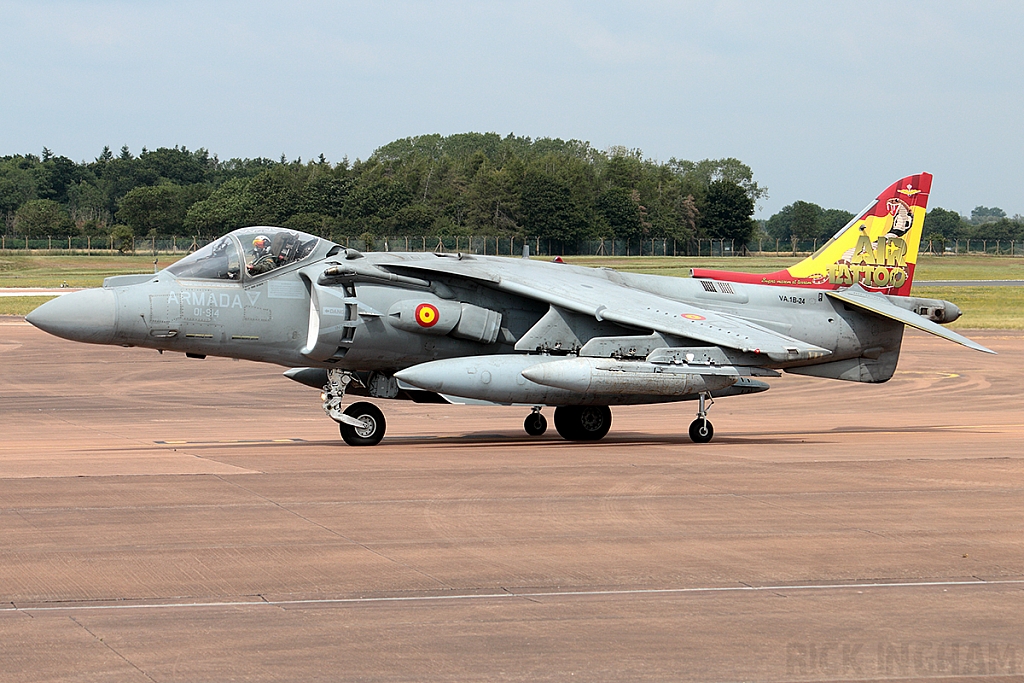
{"x":879,"y":249}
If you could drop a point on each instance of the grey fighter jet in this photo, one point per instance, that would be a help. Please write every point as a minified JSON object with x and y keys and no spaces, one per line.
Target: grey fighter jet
{"x":460,"y":328}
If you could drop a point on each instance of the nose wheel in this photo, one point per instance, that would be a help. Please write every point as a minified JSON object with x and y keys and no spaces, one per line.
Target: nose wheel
{"x":535,"y":424}
{"x":701,"y":430}
{"x":362,"y":423}
{"x":370,"y":429}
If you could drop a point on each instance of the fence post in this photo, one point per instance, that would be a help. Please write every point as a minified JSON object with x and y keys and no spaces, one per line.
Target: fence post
{"x":49,"y":243}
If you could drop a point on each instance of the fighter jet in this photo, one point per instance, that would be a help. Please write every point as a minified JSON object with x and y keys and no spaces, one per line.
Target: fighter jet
{"x":464,"y":328}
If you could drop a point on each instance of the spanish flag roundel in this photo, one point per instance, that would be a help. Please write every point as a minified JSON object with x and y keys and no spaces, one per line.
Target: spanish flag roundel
{"x":426,"y":315}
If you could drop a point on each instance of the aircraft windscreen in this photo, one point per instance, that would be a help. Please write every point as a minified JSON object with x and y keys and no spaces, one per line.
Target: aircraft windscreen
{"x":216,"y":261}
{"x":268,"y":248}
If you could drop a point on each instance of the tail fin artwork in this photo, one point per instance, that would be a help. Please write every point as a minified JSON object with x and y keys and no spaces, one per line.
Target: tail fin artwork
{"x":878,"y":249}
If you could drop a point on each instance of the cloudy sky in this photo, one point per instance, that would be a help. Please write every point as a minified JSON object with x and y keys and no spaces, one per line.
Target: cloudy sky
{"x":826,"y":103}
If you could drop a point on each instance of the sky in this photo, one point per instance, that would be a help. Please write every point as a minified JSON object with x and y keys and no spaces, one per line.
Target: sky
{"x":826,"y":102}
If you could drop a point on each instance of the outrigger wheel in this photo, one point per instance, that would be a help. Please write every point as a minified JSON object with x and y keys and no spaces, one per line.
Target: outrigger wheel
{"x":535,"y":424}
{"x":701,"y":430}
{"x":372,"y":429}
{"x":583,"y":423}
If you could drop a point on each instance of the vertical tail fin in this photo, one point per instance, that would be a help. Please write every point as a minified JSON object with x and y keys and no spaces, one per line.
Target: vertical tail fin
{"x":878,"y":249}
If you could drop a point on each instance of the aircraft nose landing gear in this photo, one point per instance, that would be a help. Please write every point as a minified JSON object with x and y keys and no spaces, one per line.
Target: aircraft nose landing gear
{"x":701,"y":430}
{"x":362,"y":423}
{"x":371,"y":425}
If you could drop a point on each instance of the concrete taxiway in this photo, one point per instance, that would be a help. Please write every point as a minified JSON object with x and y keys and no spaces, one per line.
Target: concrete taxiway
{"x":166,"y":519}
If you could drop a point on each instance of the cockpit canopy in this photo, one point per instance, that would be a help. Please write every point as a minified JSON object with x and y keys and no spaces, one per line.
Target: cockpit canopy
{"x":246,"y":253}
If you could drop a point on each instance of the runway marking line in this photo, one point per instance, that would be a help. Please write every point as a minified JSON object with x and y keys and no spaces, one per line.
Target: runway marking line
{"x":509,"y":594}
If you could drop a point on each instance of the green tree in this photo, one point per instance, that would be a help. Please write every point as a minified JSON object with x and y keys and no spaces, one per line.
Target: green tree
{"x":806,"y":221}
{"x":325,"y":194}
{"x":1004,"y":229}
{"x":941,"y":223}
{"x":43,"y":218}
{"x":176,"y":164}
{"x":804,"y":224}
{"x":124,"y":238}
{"x":229,"y":207}
{"x":414,"y":219}
{"x":17,"y":182}
{"x":984,"y":214}
{"x":493,"y":199}
{"x":161,"y":208}
{"x":698,"y":175}
{"x":832,"y":221}
{"x":620,"y":212}
{"x":624,"y":169}
{"x":377,"y":199}
{"x":727,"y":212}
{"x":548,"y":209}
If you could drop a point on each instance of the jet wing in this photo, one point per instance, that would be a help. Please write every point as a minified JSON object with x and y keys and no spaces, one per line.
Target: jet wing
{"x":874,"y":303}
{"x":581,"y":292}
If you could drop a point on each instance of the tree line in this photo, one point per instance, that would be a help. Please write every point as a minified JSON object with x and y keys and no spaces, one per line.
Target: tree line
{"x":465,"y":184}
{"x":805,"y":221}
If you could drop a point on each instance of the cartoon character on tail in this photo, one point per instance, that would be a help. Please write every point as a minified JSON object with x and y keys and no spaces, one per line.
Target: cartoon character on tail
{"x":878,"y":249}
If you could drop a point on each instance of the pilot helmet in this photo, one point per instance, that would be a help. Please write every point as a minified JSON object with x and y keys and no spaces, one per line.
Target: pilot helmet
{"x":261,"y":242}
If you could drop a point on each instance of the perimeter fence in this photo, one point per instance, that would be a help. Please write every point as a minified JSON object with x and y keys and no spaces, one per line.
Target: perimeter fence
{"x":503,"y":246}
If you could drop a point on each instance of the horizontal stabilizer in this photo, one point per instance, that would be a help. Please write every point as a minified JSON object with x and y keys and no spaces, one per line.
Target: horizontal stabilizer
{"x":859,"y":297}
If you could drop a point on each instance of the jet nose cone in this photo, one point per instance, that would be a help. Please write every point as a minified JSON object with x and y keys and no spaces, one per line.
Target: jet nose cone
{"x":86,"y":316}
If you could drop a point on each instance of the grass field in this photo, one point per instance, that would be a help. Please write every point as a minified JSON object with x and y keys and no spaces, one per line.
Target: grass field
{"x":21,"y":305}
{"x":984,"y":307}
{"x":77,"y":271}
{"x":928,"y":267}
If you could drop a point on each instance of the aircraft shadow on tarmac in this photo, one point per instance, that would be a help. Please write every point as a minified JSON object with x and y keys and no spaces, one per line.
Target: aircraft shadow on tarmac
{"x":610,"y":441}
{"x":490,"y":438}
{"x":486,"y":439}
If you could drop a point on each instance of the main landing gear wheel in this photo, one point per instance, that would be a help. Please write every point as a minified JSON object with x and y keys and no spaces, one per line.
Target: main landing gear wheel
{"x":536,"y":424}
{"x":372,"y":430}
{"x":701,"y":430}
{"x":583,"y":423}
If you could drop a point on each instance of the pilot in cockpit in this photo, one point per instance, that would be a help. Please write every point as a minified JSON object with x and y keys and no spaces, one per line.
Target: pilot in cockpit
{"x":262,"y":259}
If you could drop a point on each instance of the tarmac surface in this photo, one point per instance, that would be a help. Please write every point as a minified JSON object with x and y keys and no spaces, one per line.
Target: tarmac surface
{"x":169,"y":519}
